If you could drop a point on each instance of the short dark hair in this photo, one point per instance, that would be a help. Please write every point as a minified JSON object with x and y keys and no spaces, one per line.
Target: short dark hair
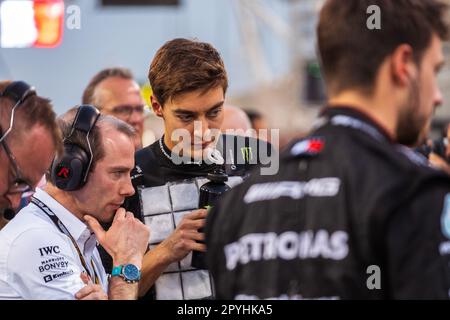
{"x":34,"y":111}
{"x":351,"y":53}
{"x":182,"y":66}
{"x":89,"y":93}
{"x":65,"y":122}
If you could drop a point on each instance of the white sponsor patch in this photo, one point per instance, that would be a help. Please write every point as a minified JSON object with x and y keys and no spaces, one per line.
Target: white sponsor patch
{"x":323,"y":187}
{"x":286,"y":246}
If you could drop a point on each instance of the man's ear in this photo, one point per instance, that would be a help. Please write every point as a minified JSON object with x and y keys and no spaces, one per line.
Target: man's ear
{"x":156,"y":106}
{"x":403,"y":66}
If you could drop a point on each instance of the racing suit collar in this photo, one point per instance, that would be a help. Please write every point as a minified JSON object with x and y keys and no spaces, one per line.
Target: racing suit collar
{"x":167,"y":154}
{"x":188,"y":166}
{"x":333,"y":110}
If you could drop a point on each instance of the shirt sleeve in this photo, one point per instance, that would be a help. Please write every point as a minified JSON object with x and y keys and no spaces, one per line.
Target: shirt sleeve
{"x":418,"y":246}
{"x":43,"y":265}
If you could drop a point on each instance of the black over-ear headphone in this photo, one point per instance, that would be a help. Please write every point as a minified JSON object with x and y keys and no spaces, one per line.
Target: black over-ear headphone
{"x":69,"y":171}
{"x":18,"y":92}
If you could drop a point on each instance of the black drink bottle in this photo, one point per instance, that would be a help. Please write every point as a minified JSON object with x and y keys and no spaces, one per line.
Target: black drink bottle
{"x":209,"y":194}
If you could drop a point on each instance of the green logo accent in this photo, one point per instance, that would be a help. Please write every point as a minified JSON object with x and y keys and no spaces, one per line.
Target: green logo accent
{"x":247,"y":154}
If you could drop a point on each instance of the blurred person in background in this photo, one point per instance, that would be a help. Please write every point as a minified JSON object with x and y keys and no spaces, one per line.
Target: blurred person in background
{"x":235,"y":118}
{"x":115,"y":92}
{"x":258,"y":121}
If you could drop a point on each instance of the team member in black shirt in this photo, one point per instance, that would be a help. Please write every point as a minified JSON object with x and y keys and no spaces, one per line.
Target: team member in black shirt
{"x":353,"y":213}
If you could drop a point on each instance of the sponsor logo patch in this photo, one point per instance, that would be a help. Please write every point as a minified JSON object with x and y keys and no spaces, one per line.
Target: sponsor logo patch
{"x":310,"y":147}
{"x":323,"y":187}
{"x":49,"y":250}
{"x":51,"y":277}
{"x":288,"y":245}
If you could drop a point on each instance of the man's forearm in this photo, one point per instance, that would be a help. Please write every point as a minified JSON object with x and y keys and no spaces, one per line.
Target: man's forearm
{"x":121,"y":290}
{"x":153,"y":265}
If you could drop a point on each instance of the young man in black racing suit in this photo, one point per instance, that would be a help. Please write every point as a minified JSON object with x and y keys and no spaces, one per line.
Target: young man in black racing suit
{"x":189,"y":83}
{"x":353,"y":213}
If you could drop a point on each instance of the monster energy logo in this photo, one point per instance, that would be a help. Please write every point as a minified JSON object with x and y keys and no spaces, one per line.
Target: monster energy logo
{"x":247,"y":154}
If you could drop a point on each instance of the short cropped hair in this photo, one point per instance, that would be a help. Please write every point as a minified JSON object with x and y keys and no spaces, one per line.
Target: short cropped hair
{"x":351,"y":53}
{"x":89,"y":96}
{"x":181,"y":66}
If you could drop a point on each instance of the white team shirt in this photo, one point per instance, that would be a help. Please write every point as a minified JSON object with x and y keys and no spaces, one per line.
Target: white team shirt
{"x":38,"y":261}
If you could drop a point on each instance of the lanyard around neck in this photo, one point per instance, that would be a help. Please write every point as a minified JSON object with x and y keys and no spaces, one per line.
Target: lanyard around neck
{"x":58,"y":223}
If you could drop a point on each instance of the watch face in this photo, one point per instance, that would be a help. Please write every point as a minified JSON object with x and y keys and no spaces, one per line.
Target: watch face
{"x":131,"y":272}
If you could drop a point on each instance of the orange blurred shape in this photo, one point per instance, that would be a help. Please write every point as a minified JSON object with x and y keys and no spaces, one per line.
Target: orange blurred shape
{"x":49,"y":20}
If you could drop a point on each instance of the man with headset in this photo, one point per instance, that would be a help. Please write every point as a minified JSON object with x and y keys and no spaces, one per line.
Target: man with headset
{"x":25,"y":118}
{"x":88,"y":183}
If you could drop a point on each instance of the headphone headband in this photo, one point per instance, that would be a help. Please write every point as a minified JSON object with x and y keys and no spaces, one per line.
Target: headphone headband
{"x":18,"y":91}
{"x":86,"y":118}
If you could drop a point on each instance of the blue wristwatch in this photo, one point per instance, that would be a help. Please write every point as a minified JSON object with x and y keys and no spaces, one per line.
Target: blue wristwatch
{"x":129,"y":272}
